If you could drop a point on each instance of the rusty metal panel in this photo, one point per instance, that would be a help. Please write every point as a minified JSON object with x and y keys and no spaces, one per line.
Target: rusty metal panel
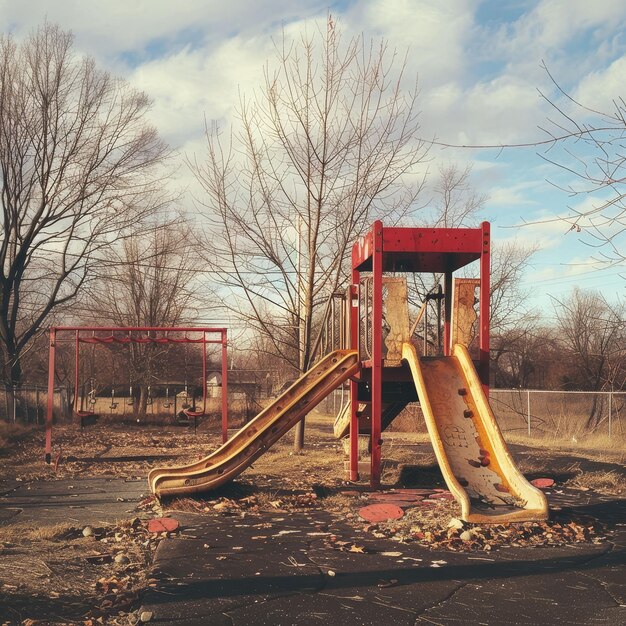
{"x":396,"y":325}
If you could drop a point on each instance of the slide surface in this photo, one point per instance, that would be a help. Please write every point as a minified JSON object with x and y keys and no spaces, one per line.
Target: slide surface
{"x":258,"y":435}
{"x":474,"y":459}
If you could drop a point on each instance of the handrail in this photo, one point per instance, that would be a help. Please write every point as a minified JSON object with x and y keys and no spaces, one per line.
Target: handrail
{"x":326,"y":318}
{"x":418,"y":318}
{"x":434,"y":294}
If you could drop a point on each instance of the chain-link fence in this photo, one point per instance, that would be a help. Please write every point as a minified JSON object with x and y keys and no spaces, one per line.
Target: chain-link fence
{"x":564,"y":414}
{"x":28,"y":404}
{"x":571,"y":415}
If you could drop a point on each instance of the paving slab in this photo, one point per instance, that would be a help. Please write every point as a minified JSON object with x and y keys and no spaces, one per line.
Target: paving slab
{"x":76,"y":501}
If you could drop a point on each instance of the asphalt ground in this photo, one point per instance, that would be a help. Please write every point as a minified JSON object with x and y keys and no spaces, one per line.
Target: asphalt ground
{"x":80,"y":501}
{"x":313,"y":567}
{"x":280,"y":569}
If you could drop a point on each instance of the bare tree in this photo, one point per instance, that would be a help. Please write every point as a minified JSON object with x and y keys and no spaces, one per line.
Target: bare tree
{"x":455,"y":203}
{"x":526,"y":355}
{"x":326,"y":145}
{"x":79,"y":164}
{"x":593,"y":333}
{"x":588,"y":147}
{"x":150,"y":280}
{"x":509,"y":300}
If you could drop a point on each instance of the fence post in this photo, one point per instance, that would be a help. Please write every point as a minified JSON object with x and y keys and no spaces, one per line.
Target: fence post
{"x":610,"y":410}
{"x":528,"y":408}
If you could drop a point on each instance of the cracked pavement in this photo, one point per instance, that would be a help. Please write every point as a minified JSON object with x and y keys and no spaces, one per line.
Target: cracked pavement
{"x":297,"y":568}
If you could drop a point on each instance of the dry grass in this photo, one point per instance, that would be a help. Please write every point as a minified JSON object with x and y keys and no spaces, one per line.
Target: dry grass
{"x":597,"y":447}
{"x":26,"y":533}
{"x":11,"y":433}
{"x":57,"y":575}
{"x":424,"y":518}
{"x":608,"y":482}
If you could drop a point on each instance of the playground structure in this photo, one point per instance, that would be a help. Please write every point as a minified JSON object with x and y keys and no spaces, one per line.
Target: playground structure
{"x":371,"y":346}
{"x":113,"y":335}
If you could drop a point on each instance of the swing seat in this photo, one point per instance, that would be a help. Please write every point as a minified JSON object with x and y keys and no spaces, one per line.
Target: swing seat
{"x":87,"y":418}
{"x":182,"y":419}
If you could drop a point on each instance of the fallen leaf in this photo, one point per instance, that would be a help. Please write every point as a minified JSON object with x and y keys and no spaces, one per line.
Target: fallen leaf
{"x":355,"y":548}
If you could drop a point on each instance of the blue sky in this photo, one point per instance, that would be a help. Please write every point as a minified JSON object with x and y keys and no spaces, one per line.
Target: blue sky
{"x":479,"y":67}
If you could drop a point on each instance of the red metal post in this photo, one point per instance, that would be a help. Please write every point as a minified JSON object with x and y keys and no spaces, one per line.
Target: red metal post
{"x":447,"y":315}
{"x":485,"y":307}
{"x":377,"y":351}
{"x":76,"y":365}
{"x":224,"y":387}
{"x":204,"y":373}
{"x":51,"y":365}
{"x":353,"y":312}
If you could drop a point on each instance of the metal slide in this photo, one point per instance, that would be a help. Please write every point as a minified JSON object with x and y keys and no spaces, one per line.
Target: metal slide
{"x":258,"y":435}
{"x":474,"y":459}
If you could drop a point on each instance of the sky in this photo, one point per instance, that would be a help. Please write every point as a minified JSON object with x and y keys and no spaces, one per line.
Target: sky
{"x":480,"y":73}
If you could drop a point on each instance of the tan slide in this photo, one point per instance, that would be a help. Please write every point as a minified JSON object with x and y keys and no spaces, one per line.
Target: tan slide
{"x":474,"y":459}
{"x":258,"y":435}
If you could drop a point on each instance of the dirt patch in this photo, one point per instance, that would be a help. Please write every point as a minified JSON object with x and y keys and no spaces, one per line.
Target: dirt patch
{"x":10,"y":434}
{"x":62,"y":574}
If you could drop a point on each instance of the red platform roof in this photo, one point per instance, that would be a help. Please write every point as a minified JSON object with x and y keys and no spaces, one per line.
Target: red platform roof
{"x":422,"y":249}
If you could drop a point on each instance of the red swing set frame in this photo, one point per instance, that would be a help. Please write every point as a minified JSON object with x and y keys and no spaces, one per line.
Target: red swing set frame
{"x":105,"y":335}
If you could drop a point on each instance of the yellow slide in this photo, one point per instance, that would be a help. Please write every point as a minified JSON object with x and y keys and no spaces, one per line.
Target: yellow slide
{"x":473,"y":456}
{"x":258,"y":435}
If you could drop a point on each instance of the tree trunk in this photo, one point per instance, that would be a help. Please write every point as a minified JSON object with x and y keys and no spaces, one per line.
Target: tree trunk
{"x":142,"y":403}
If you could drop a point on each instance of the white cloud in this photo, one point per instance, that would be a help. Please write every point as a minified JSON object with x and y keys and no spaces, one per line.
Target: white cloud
{"x":192,"y":84}
{"x":552,"y":24}
{"x":547,"y":236}
{"x":599,"y":88}
{"x":436,"y":33}
{"x":514,"y":195}
{"x":108,"y":28}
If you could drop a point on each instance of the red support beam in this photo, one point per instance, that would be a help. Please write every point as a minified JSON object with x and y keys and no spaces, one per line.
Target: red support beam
{"x":224,"y":387}
{"x":377,"y":352}
{"x":132,"y":329}
{"x":484,"y":306}
{"x":362,"y":249}
{"x":353,"y":312}
{"x":423,"y":240}
{"x":50,"y":407}
{"x":447,"y":313}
